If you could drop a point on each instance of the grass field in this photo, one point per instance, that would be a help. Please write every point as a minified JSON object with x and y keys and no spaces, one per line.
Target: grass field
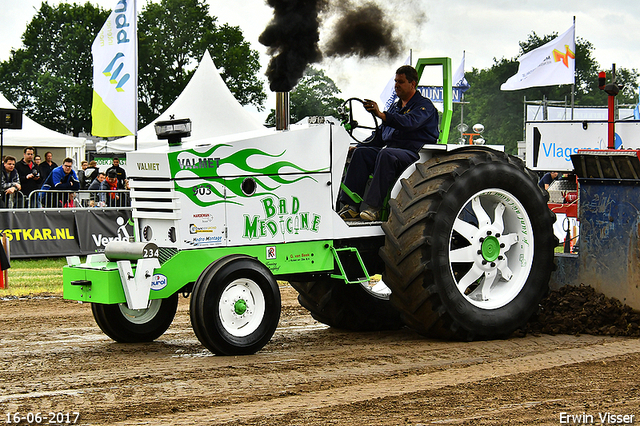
{"x":35,"y":276}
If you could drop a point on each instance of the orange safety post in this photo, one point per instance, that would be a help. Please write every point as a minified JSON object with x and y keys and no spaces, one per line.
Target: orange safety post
{"x":3,"y":274}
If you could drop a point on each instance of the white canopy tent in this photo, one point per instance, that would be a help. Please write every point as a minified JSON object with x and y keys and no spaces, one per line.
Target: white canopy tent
{"x":39,"y":137}
{"x":207,"y":101}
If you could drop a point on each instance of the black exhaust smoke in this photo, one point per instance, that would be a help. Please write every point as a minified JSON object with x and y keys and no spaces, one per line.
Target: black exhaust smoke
{"x":363,"y":31}
{"x":293,"y":36}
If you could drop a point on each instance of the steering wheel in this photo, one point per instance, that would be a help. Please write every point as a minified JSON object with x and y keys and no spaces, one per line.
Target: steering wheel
{"x":346,"y":115}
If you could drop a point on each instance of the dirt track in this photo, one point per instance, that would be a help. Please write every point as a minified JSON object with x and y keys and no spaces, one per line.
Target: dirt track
{"x":55,"y":359}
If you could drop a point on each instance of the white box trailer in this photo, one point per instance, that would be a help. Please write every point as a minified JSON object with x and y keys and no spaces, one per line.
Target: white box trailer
{"x":550,"y":144}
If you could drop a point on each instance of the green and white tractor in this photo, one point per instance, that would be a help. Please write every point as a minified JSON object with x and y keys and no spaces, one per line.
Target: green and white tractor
{"x":465,"y":252}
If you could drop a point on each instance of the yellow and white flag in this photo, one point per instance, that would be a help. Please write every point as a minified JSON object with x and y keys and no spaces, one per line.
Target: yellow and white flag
{"x":115,"y":62}
{"x":548,"y":65}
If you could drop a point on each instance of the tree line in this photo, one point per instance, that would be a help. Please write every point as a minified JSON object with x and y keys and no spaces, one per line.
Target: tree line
{"x":50,"y":76}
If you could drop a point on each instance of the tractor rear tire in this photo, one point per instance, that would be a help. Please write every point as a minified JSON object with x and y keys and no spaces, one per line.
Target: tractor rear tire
{"x":469,"y":245}
{"x":126,"y":325}
{"x":347,"y":306}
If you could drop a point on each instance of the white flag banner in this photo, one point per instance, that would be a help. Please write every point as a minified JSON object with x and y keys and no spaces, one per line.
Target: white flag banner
{"x":548,"y":65}
{"x":388,"y":95}
{"x":458,"y":79}
{"x":115,"y":62}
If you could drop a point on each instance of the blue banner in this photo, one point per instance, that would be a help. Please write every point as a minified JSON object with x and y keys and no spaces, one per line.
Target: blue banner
{"x":435,"y":93}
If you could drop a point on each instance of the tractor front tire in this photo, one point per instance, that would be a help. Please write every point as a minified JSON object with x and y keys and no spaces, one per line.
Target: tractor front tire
{"x":469,"y":245}
{"x":126,"y":325}
{"x":235,"y":306}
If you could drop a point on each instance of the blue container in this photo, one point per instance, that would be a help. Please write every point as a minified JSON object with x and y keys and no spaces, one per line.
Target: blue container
{"x":609,"y":239}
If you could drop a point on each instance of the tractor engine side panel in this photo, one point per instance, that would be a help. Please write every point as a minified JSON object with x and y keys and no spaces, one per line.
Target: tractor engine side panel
{"x":265,"y":189}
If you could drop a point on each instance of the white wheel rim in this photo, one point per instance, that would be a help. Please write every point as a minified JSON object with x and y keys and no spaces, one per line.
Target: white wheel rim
{"x":141,"y":316}
{"x":493,"y":268}
{"x":242,"y":307}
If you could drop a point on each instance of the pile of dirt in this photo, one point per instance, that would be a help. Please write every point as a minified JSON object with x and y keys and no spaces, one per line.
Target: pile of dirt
{"x":581,"y":310}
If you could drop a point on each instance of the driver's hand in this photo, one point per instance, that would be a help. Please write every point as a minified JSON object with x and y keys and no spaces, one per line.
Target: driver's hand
{"x":371,"y":106}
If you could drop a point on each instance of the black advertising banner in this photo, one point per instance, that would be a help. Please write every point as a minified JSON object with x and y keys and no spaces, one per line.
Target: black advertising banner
{"x":53,"y":233}
{"x":96,"y":228}
{"x":39,"y":233}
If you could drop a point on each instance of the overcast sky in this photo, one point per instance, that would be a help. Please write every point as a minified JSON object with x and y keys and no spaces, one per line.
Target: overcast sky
{"x":484,"y":29}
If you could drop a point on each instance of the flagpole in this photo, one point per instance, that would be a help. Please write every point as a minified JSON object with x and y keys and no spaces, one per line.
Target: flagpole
{"x":573,"y":86}
{"x":135,"y":81}
{"x":462,"y":101}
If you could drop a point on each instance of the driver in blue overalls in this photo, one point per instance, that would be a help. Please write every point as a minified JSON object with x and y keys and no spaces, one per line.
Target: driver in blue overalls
{"x":409,"y":123}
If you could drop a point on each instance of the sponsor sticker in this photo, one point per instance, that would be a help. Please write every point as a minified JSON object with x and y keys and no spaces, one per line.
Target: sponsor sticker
{"x":194,"y":229}
{"x":158,"y":282}
{"x":203,"y":217}
{"x":205,"y":241}
{"x":271,"y":252}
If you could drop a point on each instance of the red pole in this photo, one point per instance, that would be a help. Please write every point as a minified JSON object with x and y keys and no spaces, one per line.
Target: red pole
{"x":612,"y":125}
{"x":612,"y":90}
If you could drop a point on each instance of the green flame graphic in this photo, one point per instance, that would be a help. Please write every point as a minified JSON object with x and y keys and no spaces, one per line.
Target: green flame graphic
{"x":205,"y":165}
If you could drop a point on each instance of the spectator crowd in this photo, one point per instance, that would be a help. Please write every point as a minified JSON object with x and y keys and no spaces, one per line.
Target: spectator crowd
{"x":33,"y":183}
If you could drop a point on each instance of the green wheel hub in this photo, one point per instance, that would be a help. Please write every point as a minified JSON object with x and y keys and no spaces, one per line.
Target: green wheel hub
{"x":490,"y":248}
{"x":240,"y":307}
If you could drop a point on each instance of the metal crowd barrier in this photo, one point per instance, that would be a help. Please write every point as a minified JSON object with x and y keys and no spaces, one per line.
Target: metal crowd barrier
{"x":16,"y":200}
{"x":77,"y":199}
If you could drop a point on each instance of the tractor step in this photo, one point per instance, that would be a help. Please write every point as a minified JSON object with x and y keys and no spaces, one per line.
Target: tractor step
{"x":350,"y":263}
{"x":359,"y":222}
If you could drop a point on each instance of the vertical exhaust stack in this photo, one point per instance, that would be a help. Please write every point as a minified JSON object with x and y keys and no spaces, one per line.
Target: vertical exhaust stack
{"x":282,"y":111}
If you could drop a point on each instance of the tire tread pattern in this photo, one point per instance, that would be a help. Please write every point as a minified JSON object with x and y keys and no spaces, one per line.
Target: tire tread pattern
{"x":346,"y":306}
{"x":410,"y":256}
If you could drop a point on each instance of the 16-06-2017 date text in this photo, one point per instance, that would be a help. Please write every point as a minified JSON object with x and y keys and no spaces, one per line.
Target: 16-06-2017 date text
{"x":50,"y":418}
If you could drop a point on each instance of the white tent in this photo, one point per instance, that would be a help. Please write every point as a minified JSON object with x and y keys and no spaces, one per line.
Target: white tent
{"x":207,"y":101}
{"x":37,"y":136}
